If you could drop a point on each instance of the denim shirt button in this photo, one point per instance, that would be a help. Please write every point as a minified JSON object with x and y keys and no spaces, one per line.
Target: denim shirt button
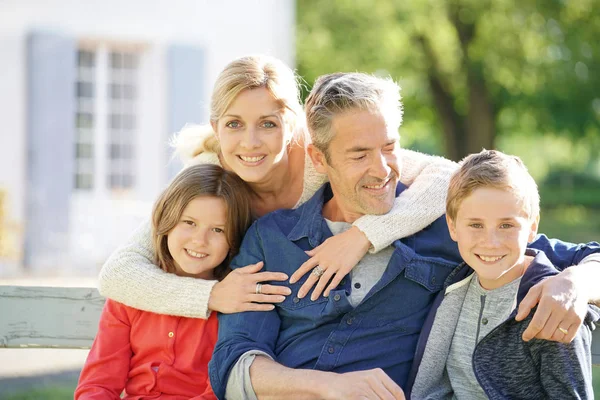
{"x":484,"y":321}
{"x":296,"y":300}
{"x":342,"y":282}
{"x":433,"y":280}
{"x":349,"y":321}
{"x":331,"y":350}
{"x":337,"y":297}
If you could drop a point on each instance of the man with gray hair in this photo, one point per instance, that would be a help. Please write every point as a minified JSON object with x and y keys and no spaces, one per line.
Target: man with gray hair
{"x":359,"y":342}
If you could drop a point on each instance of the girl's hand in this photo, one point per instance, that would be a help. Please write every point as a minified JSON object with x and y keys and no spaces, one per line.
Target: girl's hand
{"x":336,"y":256}
{"x":237,"y":292}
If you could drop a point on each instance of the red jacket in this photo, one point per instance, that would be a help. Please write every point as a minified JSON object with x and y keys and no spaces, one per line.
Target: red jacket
{"x":151,"y":356}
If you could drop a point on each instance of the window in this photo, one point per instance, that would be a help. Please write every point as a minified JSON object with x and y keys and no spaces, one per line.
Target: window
{"x":106,"y":118}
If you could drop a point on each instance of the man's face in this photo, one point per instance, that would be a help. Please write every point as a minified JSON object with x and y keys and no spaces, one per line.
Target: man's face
{"x":363,"y":166}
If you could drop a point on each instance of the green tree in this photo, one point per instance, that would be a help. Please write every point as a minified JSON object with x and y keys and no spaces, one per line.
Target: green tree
{"x":471,"y":69}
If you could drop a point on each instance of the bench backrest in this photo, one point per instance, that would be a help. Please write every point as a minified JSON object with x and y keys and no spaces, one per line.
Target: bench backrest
{"x":53,"y":317}
{"x":68,"y":318}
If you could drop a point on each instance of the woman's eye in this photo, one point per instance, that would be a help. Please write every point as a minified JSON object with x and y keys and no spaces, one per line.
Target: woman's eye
{"x":269,"y":124}
{"x":188,"y":222}
{"x":233,"y":124}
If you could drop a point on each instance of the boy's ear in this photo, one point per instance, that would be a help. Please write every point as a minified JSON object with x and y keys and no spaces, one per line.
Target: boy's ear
{"x":451,"y":227}
{"x":534,"y":229}
{"x":318,"y":158}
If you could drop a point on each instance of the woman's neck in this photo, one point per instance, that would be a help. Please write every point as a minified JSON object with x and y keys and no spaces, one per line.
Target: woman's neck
{"x":283,"y":187}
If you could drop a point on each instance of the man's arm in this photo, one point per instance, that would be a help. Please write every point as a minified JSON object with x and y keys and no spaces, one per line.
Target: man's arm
{"x":562,"y":298}
{"x":274,"y":381}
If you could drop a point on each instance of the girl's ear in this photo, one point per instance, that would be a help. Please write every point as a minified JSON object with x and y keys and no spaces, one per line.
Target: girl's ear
{"x":451,"y":228}
{"x":534,"y":229}
{"x":318,"y":158}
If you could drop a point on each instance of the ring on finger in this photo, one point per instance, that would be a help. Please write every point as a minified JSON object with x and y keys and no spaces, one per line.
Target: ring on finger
{"x":563,"y":330}
{"x":318,"y":271}
{"x":258,"y":289}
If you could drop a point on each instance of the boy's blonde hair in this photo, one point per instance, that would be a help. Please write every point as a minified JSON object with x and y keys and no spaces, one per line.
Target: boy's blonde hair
{"x":493,"y":169}
{"x":201,"y":180}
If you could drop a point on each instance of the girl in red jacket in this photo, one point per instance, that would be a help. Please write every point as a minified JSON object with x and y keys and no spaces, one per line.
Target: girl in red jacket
{"x":197,"y":227}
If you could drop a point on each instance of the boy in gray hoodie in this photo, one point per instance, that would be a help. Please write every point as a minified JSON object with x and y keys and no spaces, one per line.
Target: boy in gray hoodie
{"x":474,"y":347}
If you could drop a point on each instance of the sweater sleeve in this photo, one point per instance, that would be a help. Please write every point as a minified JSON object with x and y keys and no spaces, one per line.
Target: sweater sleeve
{"x":129,"y":276}
{"x":106,"y":369}
{"x":423,"y":202}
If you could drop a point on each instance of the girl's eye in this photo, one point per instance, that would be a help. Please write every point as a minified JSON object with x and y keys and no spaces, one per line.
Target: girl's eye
{"x":233,"y":124}
{"x":218,"y":230}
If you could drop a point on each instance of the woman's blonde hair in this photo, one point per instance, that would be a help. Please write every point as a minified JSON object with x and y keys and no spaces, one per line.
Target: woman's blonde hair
{"x":192,"y":182}
{"x":250,"y":72}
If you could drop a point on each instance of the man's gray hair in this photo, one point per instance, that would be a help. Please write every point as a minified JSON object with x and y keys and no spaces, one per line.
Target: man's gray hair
{"x":337,"y":93}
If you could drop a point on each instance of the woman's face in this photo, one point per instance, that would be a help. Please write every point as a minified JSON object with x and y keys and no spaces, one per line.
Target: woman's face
{"x":252,"y":135}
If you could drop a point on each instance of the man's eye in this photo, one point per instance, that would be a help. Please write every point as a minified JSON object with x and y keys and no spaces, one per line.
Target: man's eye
{"x":233,"y":124}
{"x":359,"y":158}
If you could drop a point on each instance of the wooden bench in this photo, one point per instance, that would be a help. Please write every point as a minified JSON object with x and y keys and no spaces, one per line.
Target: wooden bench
{"x":67,"y":318}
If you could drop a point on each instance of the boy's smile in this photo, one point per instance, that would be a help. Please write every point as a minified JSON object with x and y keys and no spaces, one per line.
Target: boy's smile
{"x":492,"y":232}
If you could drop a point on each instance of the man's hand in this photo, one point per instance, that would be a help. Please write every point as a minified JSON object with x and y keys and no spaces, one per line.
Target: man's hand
{"x":336,"y":256}
{"x":360,"y":385}
{"x":561,"y":308}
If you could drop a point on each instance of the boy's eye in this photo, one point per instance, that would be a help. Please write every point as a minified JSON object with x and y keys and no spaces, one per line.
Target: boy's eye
{"x":269,"y":124}
{"x":233,"y":124}
{"x":476,"y":225}
{"x":506,"y":226}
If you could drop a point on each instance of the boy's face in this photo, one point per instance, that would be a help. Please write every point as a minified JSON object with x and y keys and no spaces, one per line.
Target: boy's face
{"x":492,"y":231}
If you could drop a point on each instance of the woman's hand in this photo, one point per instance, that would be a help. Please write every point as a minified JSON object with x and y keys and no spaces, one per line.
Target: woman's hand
{"x":238,"y":291}
{"x":336,"y":256}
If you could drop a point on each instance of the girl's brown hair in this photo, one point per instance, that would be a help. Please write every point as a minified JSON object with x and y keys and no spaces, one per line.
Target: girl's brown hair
{"x":192,"y":182}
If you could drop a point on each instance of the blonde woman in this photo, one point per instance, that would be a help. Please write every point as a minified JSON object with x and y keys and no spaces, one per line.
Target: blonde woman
{"x":257,"y":131}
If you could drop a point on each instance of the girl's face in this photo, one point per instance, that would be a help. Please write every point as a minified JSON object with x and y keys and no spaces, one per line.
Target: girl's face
{"x":252,"y":135}
{"x":198,"y":242}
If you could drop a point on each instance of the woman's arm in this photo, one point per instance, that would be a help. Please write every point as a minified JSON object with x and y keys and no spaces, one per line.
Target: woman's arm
{"x":105,"y":372}
{"x":423,"y":202}
{"x":129,"y":276}
{"x":417,"y":207}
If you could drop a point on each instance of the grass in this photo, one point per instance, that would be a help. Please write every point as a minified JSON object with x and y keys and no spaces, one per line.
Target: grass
{"x":47,"y":393}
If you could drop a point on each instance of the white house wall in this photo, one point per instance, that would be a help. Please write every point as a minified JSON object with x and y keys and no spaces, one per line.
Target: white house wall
{"x":222,"y":29}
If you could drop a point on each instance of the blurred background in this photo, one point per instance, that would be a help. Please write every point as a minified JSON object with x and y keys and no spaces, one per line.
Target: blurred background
{"x":91,"y":92}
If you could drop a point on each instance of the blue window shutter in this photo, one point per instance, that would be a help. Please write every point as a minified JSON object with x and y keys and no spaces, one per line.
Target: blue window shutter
{"x":51,"y":77}
{"x":186,"y":84}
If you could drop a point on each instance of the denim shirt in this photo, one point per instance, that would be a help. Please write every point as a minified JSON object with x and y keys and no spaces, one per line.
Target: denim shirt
{"x":329,"y":334}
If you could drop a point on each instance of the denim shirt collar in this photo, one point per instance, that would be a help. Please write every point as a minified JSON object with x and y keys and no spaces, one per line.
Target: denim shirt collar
{"x":311,"y":220}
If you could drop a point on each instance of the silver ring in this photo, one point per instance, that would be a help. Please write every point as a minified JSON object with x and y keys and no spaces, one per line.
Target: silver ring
{"x":318,"y":271}
{"x":258,"y":289}
{"x":563,"y":330}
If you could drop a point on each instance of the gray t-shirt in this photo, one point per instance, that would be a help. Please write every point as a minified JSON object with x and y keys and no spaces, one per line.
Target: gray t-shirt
{"x":482,"y":311}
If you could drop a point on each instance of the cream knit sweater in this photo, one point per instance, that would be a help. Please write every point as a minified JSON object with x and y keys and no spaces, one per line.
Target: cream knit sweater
{"x":129,"y":276}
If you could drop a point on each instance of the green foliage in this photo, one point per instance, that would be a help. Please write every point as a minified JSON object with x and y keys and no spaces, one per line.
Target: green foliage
{"x":47,"y":393}
{"x":538,"y":61}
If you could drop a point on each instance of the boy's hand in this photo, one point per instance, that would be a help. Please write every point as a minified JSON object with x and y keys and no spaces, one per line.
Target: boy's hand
{"x":560,"y":308}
